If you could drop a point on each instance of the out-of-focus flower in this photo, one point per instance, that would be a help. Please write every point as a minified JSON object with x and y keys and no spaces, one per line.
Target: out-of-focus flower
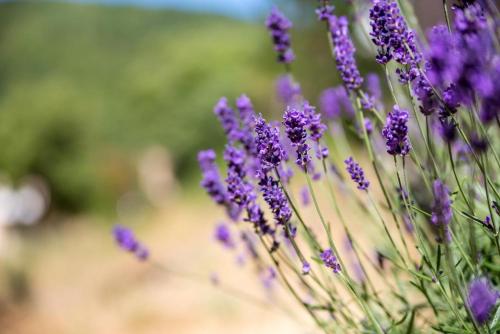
{"x":228,"y":120}
{"x":441,"y":210}
{"x":330,"y":260}
{"x":278,"y":25}
{"x":334,"y":103}
{"x":482,"y":299}
{"x":287,"y":89}
{"x":223,"y":235}
{"x":126,"y":240}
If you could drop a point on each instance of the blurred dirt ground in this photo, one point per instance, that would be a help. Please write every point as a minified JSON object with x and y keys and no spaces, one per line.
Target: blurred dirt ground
{"x":79,"y":282}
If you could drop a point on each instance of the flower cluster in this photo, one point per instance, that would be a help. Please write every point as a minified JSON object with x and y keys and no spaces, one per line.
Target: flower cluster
{"x":453,"y":83}
{"x":296,"y":123}
{"x":395,"y":132}
{"x":126,"y":239}
{"x":482,"y":299}
{"x":278,"y":26}
{"x":441,"y":210}
{"x":330,"y":260}
{"x":357,"y":174}
{"x":344,"y":52}
{"x":393,"y":38}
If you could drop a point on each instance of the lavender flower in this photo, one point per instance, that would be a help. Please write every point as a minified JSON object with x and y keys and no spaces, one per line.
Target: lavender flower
{"x":126,"y":239}
{"x":306,"y":268}
{"x":228,"y":120}
{"x":442,"y":56}
{"x":373,"y":86}
{"x":239,"y":191}
{"x":395,"y":132}
{"x":392,"y":36}
{"x":296,"y":123}
{"x":223,"y":235}
{"x":330,"y":260}
{"x":490,"y":109}
{"x":278,"y":26}
{"x":441,"y":209}
{"x":357,"y":173}
{"x":304,"y":196}
{"x":482,"y":299}
{"x":247,"y":116}
{"x":211,"y":181}
{"x":316,"y":127}
{"x":276,"y":199}
{"x":334,"y":102}
{"x":269,"y":149}
{"x":344,"y":52}
{"x":324,"y":12}
{"x":286,"y":89}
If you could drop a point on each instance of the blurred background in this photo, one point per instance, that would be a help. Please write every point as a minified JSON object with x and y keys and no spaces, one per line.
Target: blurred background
{"x":103,"y":107}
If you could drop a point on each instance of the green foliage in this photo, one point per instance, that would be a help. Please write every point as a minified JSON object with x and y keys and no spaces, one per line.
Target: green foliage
{"x":84,"y":88}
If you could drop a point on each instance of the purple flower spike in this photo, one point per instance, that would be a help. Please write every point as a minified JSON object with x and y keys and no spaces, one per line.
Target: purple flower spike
{"x":344,"y":52}
{"x":126,"y":240}
{"x":223,"y":235}
{"x":482,"y":299}
{"x":392,"y":37}
{"x":330,"y":260}
{"x":441,"y":210}
{"x":269,"y":149}
{"x":395,"y":132}
{"x":296,"y":123}
{"x":334,"y":103}
{"x":306,"y":268}
{"x":276,"y":199}
{"x":278,"y":25}
{"x":286,"y":89}
{"x":228,"y":120}
{"x":211,"y":181}
{"x":357,"y":173}
{"x":316,"y":127}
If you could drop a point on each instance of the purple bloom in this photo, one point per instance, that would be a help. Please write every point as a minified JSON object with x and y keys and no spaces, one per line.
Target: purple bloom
{"x":239,"y":191}
{"x":441,"y":210}
{"x":223,"y":235}
{"x":442,"y":57}
{"x":287,"y":90}
{"x":306,"y":268}
{"x":247,"y":116}
{"x":482,"y":299}
{"x":126,"y":239}
{"x":296,"y":123}
{"x":212,"y":183}
{"x":357,"y":173}
{"x":278,"y":26}
{"x":334,"y":102}
{"x":330,"y":260}
{"x":324,"y":12}
{"x":304,"y":196}
{"x":269,"y":149}
{"x":425,"y":94}
{"x":268,"y":277}
{"x":490,"y":109}
{"x":316,"y":127}
{"x":368,"y":126}
{"x":373,"y":86}
{"x":344,"y":52}
{"x":228,"y":120}
{"x":392,"y":37}
{"x":276,"y":199}
{"x":395,"y":132}
{"x":211,"y":179}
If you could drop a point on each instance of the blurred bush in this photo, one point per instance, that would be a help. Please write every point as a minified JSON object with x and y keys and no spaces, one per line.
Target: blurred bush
{"x":84,"y":89}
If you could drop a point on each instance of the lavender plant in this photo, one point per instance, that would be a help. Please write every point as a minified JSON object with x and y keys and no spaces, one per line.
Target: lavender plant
{"x":429,"y":182}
